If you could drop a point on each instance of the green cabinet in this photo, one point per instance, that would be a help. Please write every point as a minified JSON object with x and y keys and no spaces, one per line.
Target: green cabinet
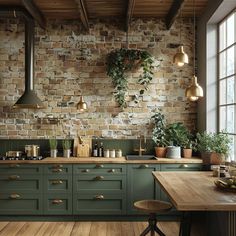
{"x":21,"y":189}
{"x":99,"y":189}
{"x":57,"y":191}
{"x":141,"y":184}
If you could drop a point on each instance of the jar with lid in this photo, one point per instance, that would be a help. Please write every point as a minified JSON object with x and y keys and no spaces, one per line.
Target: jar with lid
{"x":106,"y":152}
{"x":118,"y":153}
{"x":112,"y":153}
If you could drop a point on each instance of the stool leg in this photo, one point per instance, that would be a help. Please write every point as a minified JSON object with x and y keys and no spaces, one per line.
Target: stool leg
{"x":159,"y":231}
{"x":146,"y":231}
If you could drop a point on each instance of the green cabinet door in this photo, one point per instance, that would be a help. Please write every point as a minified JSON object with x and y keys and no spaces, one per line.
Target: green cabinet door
{"x":141,"y":184}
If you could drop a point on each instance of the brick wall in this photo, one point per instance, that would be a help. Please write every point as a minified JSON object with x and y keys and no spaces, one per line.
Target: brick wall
{"x":70,"y":62}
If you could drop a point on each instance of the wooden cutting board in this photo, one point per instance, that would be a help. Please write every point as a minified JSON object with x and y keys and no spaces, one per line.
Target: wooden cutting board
{"x":84,"y":147}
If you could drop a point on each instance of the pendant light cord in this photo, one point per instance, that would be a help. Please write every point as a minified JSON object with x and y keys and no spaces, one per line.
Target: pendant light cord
{"x":127,"y":38}
{"x":194,"y":43}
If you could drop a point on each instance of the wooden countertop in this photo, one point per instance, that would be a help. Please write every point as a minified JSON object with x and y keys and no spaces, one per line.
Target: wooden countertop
{"x":121,"y":160}
{"x":195,"y":191}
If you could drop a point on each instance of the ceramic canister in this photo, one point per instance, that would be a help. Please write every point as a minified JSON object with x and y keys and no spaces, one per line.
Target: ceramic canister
{"x":173,"y":152}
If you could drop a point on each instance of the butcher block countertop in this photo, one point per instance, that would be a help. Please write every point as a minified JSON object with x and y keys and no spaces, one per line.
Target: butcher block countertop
{"x":195,"y":191}
{"x":121,"y":160}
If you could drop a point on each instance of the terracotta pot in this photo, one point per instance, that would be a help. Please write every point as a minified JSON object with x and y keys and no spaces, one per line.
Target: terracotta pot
{"x":160,"y":152}
{"x":187,"y":153}
{"x":213,"y":158}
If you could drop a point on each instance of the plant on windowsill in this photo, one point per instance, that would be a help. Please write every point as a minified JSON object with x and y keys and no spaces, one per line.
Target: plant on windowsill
{"x":214,"y":147}
{"x":122,"y":60}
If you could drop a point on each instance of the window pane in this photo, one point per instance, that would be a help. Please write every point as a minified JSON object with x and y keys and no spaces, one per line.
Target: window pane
{"x":230,"y":61}
{"x":230,"y":30}
{"x":223,"y":91}
{"x":230,"y":90}
{"x":230,"y":119}
{"x":222,"y":118}
{"x":232,"y":148}
{"x":222,"y":36}
{"x":222,"y":64}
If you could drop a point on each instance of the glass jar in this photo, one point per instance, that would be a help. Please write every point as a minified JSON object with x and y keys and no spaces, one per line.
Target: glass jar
{"x":106,"y":153}
{"x":112,"y":153}
{"x":118,"y":153}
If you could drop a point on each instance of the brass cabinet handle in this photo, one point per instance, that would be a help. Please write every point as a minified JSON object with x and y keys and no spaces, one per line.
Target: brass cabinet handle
{"x":57,"y":166}
{"x":57,"y":182}
{"x":14,"y":165}
{"x":144,"y":166}
{"x":86,"y":170}
{"x":99,"y":177}
{"x":14,"y":177}
{"x":112,"y":171}
{"x":183,"y":166}
{"x":99,"y":166}
{"x":56,"y":170}
{"x":14,"y":196}
{"x":57,"y":201}
{"x":99,"y":197}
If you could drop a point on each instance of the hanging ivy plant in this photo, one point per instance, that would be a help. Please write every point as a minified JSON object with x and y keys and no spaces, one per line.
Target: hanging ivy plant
{"x":122,"y":60}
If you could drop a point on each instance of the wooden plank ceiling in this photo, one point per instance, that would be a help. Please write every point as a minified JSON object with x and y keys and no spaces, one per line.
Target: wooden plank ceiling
{"x":85,"y":10}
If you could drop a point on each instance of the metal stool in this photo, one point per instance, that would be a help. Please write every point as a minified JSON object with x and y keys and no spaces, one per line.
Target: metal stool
{"x":152,"y":207}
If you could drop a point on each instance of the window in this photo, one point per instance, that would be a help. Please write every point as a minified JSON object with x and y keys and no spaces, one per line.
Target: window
{"x":227,"y":78}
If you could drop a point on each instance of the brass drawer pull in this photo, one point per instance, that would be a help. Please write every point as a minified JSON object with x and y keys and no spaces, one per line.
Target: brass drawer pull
{"x":14,"y":177}
{"x":86,"y":170}
{"x":14,"y":196}
{"x":14,"y":165}
{"x":57,"y":182}
{"x":112,"y":171}
{"x":57,"y":166}
{"x":183,"y":166}
{"x":56,"y":170}
{"x":57,"y":201}
{"x":99,"y":197}
{"x":99,"y":166}
{"x":99,"y":178}
{"x":144,"y":166}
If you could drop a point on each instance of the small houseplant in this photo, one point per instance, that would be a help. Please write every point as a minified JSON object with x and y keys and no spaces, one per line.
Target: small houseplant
{"x":66,"y":145}
{"x":213,"y":147}
{"x":53,"y":147}
{"x":159,"y":134}
{"x":122,"y":60}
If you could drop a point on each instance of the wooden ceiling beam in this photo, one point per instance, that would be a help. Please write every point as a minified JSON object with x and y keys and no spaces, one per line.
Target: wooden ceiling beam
{"x":173,"y":13}
{"x":83,"y":13}
{"x":129,"y":13}
{"x":34,"y":12}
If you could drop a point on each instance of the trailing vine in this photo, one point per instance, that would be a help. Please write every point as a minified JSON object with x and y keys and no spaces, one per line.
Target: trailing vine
{"x":122,"y":60}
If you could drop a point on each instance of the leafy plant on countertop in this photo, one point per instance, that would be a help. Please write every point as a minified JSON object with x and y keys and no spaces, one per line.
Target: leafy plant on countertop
{"x":122,"y":60}
{"x":66,"y":144}
{"x":53,"y":144}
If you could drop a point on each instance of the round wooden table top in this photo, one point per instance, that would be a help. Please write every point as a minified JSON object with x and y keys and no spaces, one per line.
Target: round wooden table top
{"x":152,"y":206}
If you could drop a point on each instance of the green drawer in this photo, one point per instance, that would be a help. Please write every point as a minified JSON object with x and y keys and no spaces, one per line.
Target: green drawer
{"x":55,"y":204}
{"x":20,"y":169}
{"x":94,"y":183}
{"x":57,"y":169}
{"x":181,"y":167}
{"x":21,"y":204}
{"x":99,"y":204}
{"x":20,"y":183}
{"x":60,"y":184}
{"x":105,"y":169}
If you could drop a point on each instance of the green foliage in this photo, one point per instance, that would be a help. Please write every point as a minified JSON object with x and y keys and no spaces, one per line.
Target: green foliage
{"x":159,"y":130}
{"x":120,"y":61}
{"x":66,"y":144}
{"x":213,"y":142}
{"x":53,"y":143}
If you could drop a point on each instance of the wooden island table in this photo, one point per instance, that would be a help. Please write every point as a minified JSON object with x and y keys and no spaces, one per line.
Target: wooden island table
{"x":196,"y":191}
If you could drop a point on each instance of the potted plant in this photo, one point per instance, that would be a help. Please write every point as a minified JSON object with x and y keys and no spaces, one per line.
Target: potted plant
{"x":122,"y":60}
{"x":53,"y":147}
{"x":66,"y":145}
{"x":213,"y":147}
{"x":159,"y":134}
{"x":187,"y":146}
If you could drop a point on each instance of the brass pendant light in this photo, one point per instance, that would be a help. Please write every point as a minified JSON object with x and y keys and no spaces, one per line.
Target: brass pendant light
{"x":194,"y":91}
{"x":82,"y":105}
{"x":180,"y":58}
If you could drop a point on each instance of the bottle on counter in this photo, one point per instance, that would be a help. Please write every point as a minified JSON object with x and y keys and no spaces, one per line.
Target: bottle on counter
{"x":95,"y":150}
{"x":101,"y":150}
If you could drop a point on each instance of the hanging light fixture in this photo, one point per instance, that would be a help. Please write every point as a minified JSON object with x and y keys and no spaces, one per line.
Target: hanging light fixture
{"x":180,"y":58}
{"x":194,"y":91}
{"x":82,"y":105}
